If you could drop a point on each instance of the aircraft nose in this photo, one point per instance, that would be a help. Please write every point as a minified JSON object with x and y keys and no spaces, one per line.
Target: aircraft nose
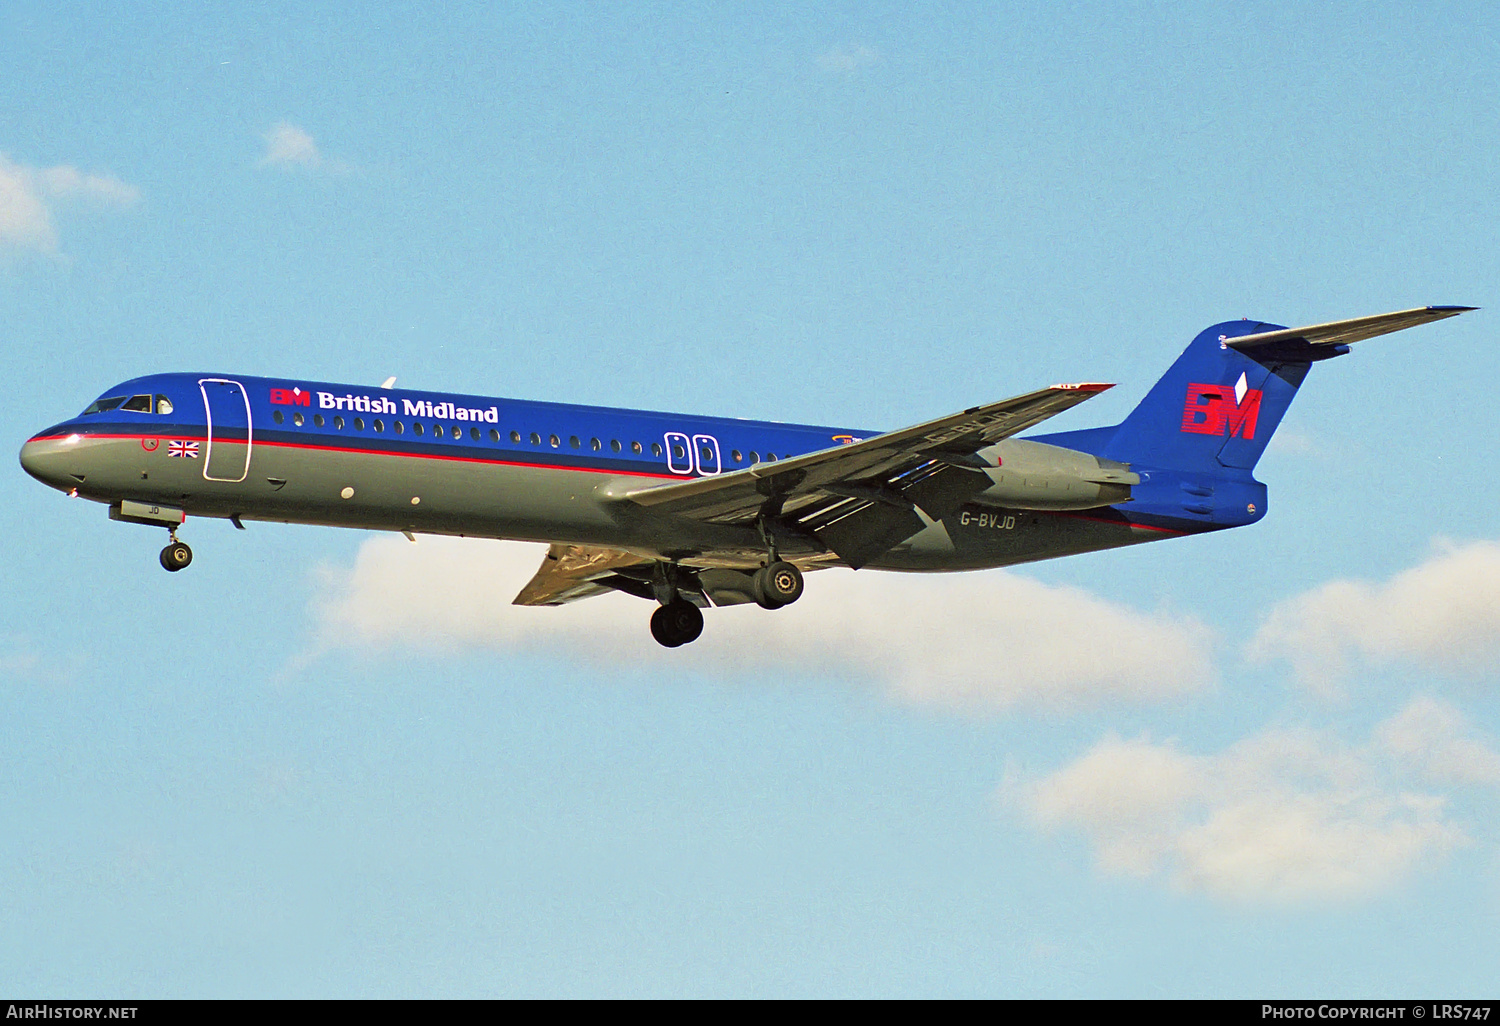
{"x":51,"y":460}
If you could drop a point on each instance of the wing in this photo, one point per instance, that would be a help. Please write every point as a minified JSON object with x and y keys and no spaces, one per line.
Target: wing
{"x":572,"y":572}
{"x":1337,"y":333}
{"x":860,"y":499}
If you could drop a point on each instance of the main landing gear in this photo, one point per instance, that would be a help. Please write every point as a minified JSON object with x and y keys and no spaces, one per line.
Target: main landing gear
{"x":676,"y":623}
{"x":777,"y":584}
{"x":176,"y":556}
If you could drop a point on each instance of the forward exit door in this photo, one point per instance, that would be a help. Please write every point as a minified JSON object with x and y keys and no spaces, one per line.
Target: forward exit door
{"x":229,"y":430}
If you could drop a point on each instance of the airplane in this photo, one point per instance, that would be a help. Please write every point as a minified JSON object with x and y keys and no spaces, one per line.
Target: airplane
{"x":693,"y":511}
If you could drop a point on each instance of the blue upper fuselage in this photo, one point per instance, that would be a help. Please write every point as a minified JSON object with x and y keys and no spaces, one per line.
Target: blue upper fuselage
{"x":321,"y":415}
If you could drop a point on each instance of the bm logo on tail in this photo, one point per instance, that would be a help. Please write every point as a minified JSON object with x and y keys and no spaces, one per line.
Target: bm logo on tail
{"x":1221,"y":410}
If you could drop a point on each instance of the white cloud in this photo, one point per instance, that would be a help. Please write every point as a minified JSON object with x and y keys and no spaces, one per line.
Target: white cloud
{"x":21,"y":661}
{"x":288,"y":146}
{"x":981,"y":642}
{"x":1435,"y":740}
{"x":1444,"y":614}
{"x":848,"y":58}
{"x":30,"y":196}
{"x":1294,"y":443}
{"x":1284,"y":816}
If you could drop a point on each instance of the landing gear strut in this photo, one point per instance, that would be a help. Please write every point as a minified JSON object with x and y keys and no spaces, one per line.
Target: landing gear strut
{"x":676,"y":623}
{"x":176,"y":556}
{"x":778,"y":583}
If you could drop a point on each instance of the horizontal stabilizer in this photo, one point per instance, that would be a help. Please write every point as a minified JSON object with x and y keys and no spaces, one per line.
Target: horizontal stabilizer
{"x":1357,"y":329}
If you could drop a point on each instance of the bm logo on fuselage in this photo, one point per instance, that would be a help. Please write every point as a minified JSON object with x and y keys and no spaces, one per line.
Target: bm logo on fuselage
{"x":1219,"y":410}
{"x":290,"y":397}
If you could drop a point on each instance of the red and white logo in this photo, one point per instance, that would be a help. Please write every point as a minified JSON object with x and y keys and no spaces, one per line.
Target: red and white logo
{"x":1221,"y":410}
{"x":290,"y":397}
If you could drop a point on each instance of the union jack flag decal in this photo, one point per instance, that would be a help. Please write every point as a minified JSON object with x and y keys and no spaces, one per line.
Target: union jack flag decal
{"x":183,"y":450}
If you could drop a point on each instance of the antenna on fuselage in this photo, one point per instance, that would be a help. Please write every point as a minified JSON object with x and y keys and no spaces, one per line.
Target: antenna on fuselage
{"x":388,"y":382}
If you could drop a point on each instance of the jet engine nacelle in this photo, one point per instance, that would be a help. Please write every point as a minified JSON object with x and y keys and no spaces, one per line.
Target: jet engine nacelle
{"x":1034,"y":475}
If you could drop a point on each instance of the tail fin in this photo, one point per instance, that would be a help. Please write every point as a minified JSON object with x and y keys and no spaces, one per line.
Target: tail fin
{"x":1217,"y":406}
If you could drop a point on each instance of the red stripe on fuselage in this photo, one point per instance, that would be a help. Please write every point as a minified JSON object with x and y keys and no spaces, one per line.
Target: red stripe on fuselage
{"x":380,"y":452}
{"x":1117,"y":523}
{"x":471,"y":459}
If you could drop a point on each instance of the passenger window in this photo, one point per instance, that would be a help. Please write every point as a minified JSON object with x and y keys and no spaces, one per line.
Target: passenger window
{"x":679,"y":451}
{"x":494,"y":435}
{"x":104,"y":405}
{"x":163,"y":405}
{"x":297,"y":419}
{"x":138,"y":404}
{"x":474,"y":434}
{"x":595,"y":444}
{"x":536,"y":439}
{"x":416,"y":427}
{"x":458,"y":432}
{"x":656,"y":449}
{"x":515,"y":436}
{"x":635,"y":447}
{"x":754,"y":456}
{"x":359,"y":423}
{"x":706,"y":454}
{"x":554,"y":440}
{"x":770,"y":457}
{"x":614,"y":445}
{"x":338,"y":422}
{"x":277,"y":417}
{"x":738,"y":458}
{"x":318,"y":419}
{"x":573,"y":441}
{"x":437,"y":431}
{"x":379,"y":426}
{"x":397,"y":426}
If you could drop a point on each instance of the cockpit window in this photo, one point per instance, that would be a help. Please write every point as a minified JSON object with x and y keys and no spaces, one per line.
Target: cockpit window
{"x":104,"y":405}
{"x":135,"y":404}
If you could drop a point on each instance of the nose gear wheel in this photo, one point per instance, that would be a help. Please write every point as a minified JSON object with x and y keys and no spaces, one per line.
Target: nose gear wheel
{"x":176,"y":556}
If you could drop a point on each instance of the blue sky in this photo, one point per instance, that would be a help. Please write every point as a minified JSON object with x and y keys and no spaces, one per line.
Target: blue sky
{"x":321,"y":763}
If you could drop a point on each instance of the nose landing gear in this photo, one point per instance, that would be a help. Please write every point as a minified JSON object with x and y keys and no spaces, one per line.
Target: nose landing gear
{"x":176,"y":556}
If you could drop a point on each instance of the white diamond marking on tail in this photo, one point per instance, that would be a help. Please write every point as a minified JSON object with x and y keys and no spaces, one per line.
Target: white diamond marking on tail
{"x":1240,"y":388}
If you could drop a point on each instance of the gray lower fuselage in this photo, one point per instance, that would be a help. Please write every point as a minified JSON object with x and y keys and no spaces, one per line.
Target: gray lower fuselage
{"x":476,"y":498}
